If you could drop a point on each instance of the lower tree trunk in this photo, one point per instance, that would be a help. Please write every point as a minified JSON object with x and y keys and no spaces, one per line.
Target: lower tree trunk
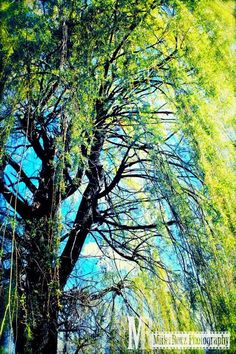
{"x":45,"y":336}
{"x":39,"y":337}
{"x":38,"y":292}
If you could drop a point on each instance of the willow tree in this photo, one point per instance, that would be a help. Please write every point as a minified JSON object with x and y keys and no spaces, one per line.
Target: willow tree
{"x":116,"y":125}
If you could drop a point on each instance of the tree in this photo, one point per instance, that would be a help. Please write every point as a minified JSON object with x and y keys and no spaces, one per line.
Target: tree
{"x":116,"y":128}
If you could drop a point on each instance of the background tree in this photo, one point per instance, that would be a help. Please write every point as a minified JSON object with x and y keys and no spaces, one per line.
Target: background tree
{"x":116,"y":124}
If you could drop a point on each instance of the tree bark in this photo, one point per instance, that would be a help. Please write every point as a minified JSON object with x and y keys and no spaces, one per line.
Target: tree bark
{"x":38,"y":294}
{"x":44,"y":335}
